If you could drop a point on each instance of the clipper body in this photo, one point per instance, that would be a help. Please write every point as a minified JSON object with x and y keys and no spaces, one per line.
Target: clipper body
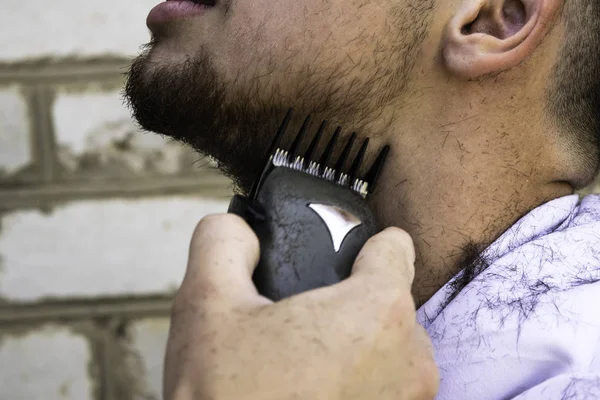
{"x":311,"y":219}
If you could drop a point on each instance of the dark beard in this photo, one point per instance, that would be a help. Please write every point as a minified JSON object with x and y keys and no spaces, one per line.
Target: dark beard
{"x":234,"y":120}
{"x":235,"y":123}
{"x":187,"y":102}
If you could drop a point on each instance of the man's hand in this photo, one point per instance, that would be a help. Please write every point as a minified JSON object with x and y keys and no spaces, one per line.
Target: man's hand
{"x":358,"y":339}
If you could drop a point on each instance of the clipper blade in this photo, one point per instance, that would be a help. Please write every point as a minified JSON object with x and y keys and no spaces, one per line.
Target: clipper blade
{"x":291,"y":158}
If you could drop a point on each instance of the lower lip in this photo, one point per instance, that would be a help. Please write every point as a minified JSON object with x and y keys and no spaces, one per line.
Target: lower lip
{"x":171,"y":10}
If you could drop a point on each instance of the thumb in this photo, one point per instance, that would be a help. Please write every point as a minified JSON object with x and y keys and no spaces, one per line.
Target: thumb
{"x":389,"y":255}
{"x":224,"y":252}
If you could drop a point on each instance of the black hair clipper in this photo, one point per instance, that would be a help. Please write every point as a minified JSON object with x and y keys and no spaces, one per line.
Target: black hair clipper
{"x":311,"y":219}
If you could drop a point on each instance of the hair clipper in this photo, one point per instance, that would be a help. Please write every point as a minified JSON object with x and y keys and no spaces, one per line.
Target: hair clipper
{"x":311,"y":218}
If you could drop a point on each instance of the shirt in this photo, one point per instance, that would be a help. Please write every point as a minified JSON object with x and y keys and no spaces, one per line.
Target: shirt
{"x":528,"y":326}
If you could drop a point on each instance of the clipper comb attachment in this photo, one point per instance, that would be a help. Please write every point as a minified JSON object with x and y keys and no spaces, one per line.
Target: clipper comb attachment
{"x":280,"y":157}
{"x":308,"y":211}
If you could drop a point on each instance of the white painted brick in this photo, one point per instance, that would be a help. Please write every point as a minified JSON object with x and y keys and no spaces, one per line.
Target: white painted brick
{"x":94,"y":131}
{"x":51,"y":364}
{"x":148,"y":344}
{"x":38,"y":28}
{"x":99,"y":248}
{"x":79,"y":114}
{"x":14,"y":131}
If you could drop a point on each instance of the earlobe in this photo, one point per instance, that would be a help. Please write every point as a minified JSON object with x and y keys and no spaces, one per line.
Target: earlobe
{"x":491,"y":36}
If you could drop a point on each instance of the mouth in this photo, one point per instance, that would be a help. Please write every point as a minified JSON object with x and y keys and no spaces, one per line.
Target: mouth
{"x":171,"y":10}
{"x":208,"y":3}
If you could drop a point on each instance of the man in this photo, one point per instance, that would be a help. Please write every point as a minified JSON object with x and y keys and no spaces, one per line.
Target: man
{"x":491,"y":109}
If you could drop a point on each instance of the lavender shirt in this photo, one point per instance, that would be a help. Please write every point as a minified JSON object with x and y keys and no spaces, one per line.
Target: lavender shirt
{"x":528,"y":326}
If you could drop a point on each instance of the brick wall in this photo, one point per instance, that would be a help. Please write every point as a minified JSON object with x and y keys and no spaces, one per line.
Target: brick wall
{"x":95,"y":216}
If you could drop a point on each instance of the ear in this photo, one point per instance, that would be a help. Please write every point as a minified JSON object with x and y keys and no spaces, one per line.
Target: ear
{"x":489,"y":36}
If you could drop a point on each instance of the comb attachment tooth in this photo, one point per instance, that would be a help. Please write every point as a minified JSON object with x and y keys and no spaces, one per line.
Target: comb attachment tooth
{"x":340,"y":177}
{"x":327,"y":153}
{"x":309,"y":164}
{"x":295,"y":160}
{"x":280,"y":132}
{"x":280,"y":157}
{"x":373,"y":174}
{"x":355,"y":168}
{"x":272,"y":149}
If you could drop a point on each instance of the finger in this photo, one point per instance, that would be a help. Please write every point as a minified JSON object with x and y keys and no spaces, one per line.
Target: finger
{"x":423,"y":341}
{"x":389,"y":255}
{"x":224,"y":252}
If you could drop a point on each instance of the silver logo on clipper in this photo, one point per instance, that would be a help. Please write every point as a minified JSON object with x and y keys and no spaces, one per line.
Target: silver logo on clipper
{"x":339,"y":222}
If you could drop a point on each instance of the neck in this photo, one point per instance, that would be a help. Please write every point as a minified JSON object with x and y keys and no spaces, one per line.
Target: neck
{"x":453,"y":189}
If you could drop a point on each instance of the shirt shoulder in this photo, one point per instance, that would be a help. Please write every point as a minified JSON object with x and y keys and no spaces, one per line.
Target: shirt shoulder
{"x":530,"y":317}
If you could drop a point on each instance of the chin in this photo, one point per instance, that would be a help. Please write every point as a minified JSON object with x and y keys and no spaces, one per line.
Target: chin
{"x":189,"y":102}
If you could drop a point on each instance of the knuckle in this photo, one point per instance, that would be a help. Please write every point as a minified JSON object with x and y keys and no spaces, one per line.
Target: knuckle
{"x":224,"y":226}
{"x":401,"y":240}
{"x":206,"y":224}
{"x":215,"y":222}
{"x":395,"y":241}
{"x":397,"y":234}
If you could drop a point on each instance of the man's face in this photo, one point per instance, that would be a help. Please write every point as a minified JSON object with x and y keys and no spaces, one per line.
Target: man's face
{"x":221,"y":79}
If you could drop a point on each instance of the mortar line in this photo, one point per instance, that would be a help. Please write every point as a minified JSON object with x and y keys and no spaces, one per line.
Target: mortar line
{"x":120,"y":381}
{"x":43,"y":132}
{"x":105,"y":389}
{"x":35,"y":150}
{"x":53,"y":311}
{"x":211,"y":186}
{"x":65,"y":71}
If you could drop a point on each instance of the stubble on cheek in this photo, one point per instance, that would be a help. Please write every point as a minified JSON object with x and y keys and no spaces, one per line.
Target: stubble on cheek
{"x":315,"y":58}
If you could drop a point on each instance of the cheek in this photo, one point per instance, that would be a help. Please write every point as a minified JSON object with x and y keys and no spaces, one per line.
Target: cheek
{"x":284,"y":26}
{"x":261,"y":34}
{"x":279,"y":25}
{"x":266,"y":37}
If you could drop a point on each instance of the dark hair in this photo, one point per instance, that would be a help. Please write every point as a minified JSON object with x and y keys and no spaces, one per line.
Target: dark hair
{"x":574,"y":97}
